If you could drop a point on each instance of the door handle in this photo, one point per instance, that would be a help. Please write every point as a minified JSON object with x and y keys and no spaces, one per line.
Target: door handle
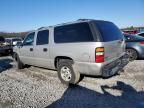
{"x":45,"y":49}
{"x":31,"y":49}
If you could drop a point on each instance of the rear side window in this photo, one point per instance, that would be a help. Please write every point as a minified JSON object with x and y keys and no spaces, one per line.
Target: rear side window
{"x":109,"y":31}
{"x":42,"y":37}
{"x":73,"y":33}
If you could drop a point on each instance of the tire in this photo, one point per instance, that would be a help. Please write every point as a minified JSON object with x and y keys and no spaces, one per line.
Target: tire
{"x":66,"y":73}
{"x":19,"y":64}
{"x":14,"y":56}
{"x":132,"y":54}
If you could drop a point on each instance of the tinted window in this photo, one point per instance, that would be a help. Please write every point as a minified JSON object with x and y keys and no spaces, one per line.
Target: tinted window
{"x":109,"y":31}
{"x":42,"y":37}
{"x":73,"y":33}
{"x":29,"y":39}
{"x":129,"y":37}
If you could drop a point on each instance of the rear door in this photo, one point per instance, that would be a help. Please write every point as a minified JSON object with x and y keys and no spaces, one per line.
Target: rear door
{"x":112,"y":40}
{"x":41,"y":49}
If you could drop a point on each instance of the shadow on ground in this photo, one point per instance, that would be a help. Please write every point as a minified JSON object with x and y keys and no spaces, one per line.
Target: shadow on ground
{"x":5,"y":64}
{"x":81,"y":97}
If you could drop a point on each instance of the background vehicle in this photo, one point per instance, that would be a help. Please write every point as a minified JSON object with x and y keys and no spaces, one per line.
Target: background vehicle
{"x":141,"y":34}
{"x":5,"y":47}
{"x":13,"y":41}
{"x":2,"y":40}
{"x":134,"y":46}
{"x":131,"y":31}
{"x":89,"y":47}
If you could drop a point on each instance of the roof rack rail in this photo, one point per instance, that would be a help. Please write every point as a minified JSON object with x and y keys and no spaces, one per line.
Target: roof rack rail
{"x":83,"y":19}
{"x":41,"y":28}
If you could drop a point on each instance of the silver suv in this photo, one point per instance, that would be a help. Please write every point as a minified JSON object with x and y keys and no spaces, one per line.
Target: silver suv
{"x":88,"y":47}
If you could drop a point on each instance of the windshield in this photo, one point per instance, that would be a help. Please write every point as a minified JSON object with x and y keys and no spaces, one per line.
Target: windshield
{"x":109,"y":31}
{"x":8,"y":40}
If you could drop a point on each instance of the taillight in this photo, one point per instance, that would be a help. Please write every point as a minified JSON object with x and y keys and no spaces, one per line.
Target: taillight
{"x":141,"y":43}
{"x":99,"y":55}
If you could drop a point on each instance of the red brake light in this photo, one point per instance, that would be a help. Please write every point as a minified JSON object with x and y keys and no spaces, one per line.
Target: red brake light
{"x":142,"y":43}
{"x":99,"y":55}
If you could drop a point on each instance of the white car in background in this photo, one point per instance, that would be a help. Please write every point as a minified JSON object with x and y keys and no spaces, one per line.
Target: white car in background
{"x":13,"y":41}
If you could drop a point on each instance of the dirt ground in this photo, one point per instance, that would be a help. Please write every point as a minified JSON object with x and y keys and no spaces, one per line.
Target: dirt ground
{"x":35,"y":87}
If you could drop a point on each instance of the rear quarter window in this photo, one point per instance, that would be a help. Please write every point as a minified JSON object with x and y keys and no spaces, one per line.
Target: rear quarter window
{"x":79,"y":32}
{"x":109,"y":31}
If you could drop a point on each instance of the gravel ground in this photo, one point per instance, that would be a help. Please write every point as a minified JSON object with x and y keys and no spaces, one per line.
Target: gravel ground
{"x":40,"y":88}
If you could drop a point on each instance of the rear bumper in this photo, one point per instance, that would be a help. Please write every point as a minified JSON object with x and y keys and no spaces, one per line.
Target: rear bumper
{"x":114,"y":67}
{"x":98,"y":69}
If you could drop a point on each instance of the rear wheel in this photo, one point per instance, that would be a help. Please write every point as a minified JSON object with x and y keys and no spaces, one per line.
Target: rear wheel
{"x":132,"y":54}
{"x":66,"y":73}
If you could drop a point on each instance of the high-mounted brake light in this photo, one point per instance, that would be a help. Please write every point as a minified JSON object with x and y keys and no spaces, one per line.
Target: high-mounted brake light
{"x":99,"y":55}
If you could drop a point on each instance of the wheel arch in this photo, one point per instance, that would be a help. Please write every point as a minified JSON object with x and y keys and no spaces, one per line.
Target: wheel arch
{"x":57,"y":58}
{"x":135,"y":49}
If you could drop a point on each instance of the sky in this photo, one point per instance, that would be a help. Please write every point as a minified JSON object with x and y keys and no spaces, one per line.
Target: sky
{"x":25,"y":15}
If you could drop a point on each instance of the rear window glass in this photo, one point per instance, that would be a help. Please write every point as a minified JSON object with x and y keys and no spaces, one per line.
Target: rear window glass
{"x":73,"y":33}
{"x":109,"y":31}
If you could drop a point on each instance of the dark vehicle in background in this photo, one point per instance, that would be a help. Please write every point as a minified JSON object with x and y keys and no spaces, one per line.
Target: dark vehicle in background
{"x":5,"y":48}
{"x":131,"y":31}
{"x":141,"y":34}
{"x":134,"y":46}
{"x":2,"y":40}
